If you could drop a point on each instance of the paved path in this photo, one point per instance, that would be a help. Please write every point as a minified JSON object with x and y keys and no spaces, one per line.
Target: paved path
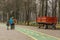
{"x":55,"y":33}
{"x":12,"y":34}
{"x":31,"y":31}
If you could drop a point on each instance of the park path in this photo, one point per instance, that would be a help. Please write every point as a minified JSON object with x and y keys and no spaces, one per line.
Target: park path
{"x":35,"y":33}
{"x":12,"y":34}
{"x":54,"y":33}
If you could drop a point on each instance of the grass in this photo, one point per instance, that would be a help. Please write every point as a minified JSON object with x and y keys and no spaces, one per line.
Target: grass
{"x":58,"y":25}
{"x":32,"y":23}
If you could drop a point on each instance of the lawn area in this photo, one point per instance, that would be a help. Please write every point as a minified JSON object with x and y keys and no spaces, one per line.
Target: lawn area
{"x":35,"y":24}
{"x":58,"y":25}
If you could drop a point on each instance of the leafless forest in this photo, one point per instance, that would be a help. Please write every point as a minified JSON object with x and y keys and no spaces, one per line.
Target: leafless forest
{"x":26,"y":11}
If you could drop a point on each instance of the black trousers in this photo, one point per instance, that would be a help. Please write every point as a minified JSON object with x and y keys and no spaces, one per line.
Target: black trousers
{"x":12,"y":26}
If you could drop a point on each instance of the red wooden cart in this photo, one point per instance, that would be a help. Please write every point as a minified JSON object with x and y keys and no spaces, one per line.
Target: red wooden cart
{"x":45,"y":21}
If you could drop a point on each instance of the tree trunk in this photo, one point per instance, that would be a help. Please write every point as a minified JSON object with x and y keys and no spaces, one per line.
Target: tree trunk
{"x":46,"y":8}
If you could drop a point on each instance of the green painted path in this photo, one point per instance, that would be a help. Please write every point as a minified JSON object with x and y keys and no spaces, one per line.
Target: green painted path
{"x":35,"y":35}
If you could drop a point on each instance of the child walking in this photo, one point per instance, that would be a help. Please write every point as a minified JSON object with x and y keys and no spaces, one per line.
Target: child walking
{"x":8,"y":25}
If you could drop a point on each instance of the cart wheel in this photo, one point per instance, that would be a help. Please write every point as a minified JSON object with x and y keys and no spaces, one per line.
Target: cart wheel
{"x":46,"y":27}
{"x":39,"y":25}
{"x":53,"y":26}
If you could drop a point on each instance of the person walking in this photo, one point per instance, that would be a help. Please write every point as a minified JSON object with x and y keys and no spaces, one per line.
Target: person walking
{"x":11,"y":21}
{"x":8,"y":25}
{"x":15,"y":22}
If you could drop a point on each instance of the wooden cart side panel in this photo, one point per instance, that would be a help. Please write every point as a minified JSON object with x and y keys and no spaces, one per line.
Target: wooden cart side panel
{"x":47,"y":20}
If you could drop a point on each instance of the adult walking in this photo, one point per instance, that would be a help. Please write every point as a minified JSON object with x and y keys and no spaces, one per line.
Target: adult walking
{"x":15,"y":22}
{"x":11,"y":21}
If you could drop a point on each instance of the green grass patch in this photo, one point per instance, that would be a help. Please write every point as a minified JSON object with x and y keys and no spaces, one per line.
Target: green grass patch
{"x":58,"y":26}
{"x":33,"y":23}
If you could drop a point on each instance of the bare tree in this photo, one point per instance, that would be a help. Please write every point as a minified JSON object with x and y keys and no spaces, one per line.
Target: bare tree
{"x":59,"y":11}
{"x":54,"y":6}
